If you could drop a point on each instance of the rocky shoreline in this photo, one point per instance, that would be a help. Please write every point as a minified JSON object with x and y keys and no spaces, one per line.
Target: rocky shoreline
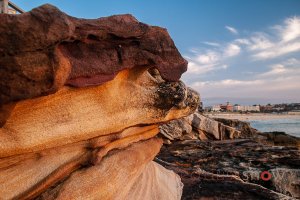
{"x":230,"y":167}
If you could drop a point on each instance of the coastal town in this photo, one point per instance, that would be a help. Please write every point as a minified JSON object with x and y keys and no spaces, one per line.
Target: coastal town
{"x":268,"y":108}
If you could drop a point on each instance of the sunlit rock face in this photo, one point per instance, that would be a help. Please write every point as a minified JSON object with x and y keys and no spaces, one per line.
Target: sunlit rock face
{"x":80,"y":106}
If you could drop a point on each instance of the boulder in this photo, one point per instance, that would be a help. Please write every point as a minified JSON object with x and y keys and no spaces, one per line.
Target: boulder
{"x":45,"y":49}
{"x":176,"y":129}
{"x":244,"y":127}
{"x":197,"y":125}
{"x":81,"y":102}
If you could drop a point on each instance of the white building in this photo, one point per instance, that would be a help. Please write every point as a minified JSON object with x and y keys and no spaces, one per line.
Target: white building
{"x":238,"y":108}
{"x":216,"y":108}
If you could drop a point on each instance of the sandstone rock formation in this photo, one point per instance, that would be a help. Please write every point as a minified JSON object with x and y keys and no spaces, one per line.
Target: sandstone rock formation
{"x":45,"y":49}
{"x":80,"y":105}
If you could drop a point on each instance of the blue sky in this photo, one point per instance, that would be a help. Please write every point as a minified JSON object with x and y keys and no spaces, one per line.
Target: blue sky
{"x":243,"y":51}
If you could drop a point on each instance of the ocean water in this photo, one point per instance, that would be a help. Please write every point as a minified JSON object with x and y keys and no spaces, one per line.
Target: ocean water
{"x":290,"y":126}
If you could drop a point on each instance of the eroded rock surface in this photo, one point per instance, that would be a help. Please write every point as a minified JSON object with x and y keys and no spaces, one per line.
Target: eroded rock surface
{"x":229,"y":166}
{"x":80,"y":106}
{"x":44,"y":49}
{"x":199,"y":126}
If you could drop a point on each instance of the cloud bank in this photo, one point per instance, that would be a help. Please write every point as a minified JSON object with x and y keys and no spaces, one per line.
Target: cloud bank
{"x":258,"y":64}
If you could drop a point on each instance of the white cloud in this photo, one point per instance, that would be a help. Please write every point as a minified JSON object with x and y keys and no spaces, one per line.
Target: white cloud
{"x":284,"y":87}
{"x":214,"y":44}
{"x":242,"y":41}
{"x":232,"y":30}
{"x":258,"y":64}
{"x":290,"y":30}
{"x":232,"y":50}
{"x":292,"y":62}
{"x":210,"y":57}
{"x":211,"y":60}
{"x":259,"y":41}
{"x":286,"y":42}
{"x":226,"y":83}
{"x":281,"y":80}
{"x":201,"y":63}
{"x":195,"y":68}
{"x":277,"y":51}
{"x":290,"y":67}
{"x":275,"y":70}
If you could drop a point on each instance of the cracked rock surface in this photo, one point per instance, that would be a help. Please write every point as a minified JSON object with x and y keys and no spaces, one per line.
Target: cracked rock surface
{"x":224,"y":159}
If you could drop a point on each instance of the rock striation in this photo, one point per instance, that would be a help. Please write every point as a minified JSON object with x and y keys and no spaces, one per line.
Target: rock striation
{"x":45,"y":49}
{"x":80,"y":106}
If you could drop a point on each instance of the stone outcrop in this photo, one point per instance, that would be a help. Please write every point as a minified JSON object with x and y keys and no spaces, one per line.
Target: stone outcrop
{"x":45,"y":49}
{"x":218,"y":165}
{"x":80,"y":106}
{"x":231,"y":169}
{"x":202,"y":127}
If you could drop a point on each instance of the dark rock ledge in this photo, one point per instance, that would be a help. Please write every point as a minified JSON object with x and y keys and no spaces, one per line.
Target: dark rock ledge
{"x":224,"y":159}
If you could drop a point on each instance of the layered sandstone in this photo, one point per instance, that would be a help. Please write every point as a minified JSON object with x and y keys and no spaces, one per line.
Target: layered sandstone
{"x":80,"y":106}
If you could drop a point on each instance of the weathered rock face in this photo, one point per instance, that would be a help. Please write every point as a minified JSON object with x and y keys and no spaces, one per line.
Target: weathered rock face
{"x":42,"y":50}
{"x":199,"y":126}
{"x":128,"y":100}
{"x":244,"y":127}
{"x":81,"y":102}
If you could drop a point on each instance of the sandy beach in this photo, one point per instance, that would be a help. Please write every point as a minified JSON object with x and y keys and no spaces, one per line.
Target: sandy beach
{"x":253,"y":116}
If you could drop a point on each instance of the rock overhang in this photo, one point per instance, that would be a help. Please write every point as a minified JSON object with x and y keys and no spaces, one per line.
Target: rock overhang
{"x":44,"y":49}
{"x":73,"y":91}
{"x":73,"y":67}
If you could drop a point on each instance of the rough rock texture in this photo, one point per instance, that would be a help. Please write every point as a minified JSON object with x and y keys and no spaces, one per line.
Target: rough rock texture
{"x":223,"y":167}
{"x":44,"y":49}
{"x":278,"y":139}
{"x":202,"y":127}
{"x":212,"y":164}
{"x":244,"y":127}
{"x":130,"y":99}
{"x":80,"y":106}
{"x":176,"y":129}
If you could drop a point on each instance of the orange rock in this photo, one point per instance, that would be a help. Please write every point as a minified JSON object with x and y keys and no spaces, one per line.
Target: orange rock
{"x":113,"y":178}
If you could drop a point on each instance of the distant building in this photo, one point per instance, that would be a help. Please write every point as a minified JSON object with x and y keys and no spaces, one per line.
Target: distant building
{"x":216,"y":108}
{"x":228,"y":107}
{"x":239,"y":108}
{"x":266,"y":108}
